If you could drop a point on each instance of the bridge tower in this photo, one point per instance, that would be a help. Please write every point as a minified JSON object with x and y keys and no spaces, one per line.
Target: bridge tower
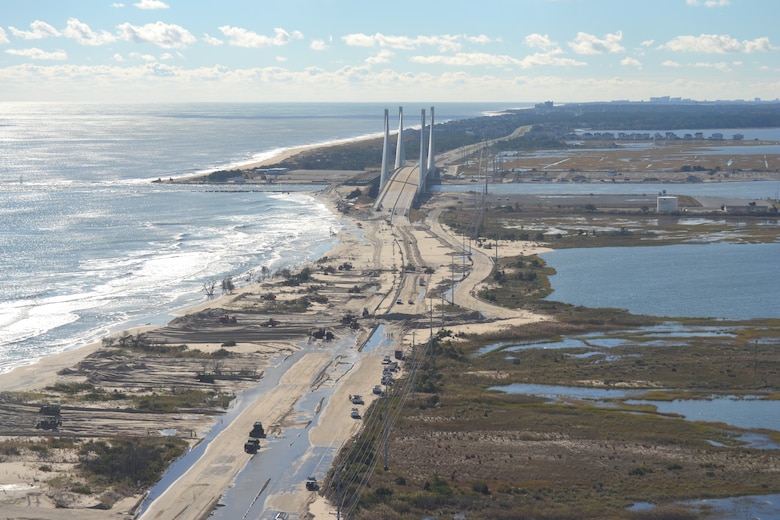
{"x":385,"y":152}
{"x":399,"y":146}
{"x":421,"y":181}
{"x":431,"y":161}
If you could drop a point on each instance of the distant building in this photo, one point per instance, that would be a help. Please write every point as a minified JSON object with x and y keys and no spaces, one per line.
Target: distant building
{"x":666,"y":204}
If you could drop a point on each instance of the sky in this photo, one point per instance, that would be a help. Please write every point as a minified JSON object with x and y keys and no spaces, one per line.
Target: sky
{"x":524,"y":51}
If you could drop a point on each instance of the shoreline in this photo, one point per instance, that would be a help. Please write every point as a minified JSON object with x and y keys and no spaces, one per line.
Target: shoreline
{"x":21,"y":479}
{"x":335,"y":426}
{"x":278,"y":156}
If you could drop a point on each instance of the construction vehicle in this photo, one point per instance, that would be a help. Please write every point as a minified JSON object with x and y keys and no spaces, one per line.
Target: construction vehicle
{"x":52,"y":419}
{"x":49,"y":422}
{"x":257,"y":431}
{"x":252,"y":445}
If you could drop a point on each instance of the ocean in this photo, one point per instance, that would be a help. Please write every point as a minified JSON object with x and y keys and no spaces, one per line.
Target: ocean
{"x":89,"y":245}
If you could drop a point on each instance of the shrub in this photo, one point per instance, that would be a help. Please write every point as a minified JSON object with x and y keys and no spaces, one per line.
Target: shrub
{"x":480,"y":487}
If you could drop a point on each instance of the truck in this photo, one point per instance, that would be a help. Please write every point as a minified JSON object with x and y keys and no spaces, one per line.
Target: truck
{"x":257,"y":431}
{"x":252,"y":445}
{"x":312,"y":484}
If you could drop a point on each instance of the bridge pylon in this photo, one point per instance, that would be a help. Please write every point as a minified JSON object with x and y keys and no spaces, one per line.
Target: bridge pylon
{"x":400,"y":156}
{"x":422,"y":171}
{"x":385,"y":153}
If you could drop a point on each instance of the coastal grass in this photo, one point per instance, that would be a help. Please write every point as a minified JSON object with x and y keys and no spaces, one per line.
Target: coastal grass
{"x":106,"y":469}
{"x":458,"y":447}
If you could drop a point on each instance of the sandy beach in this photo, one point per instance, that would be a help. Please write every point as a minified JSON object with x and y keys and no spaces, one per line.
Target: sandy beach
{"x":196,"y":492}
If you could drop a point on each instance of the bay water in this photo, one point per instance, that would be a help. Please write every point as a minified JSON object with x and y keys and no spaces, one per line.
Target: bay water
{"x":709,"y":280}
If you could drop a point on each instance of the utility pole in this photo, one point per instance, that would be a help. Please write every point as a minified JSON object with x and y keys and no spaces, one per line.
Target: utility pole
{"x":339,"y":498}
{"x":442,"y":311}
{"x":387,"y":418}
{"x":452,"y":279}
{"x":414,"y":364}
{"x":430,"y":338}
{"x":463,"y":246}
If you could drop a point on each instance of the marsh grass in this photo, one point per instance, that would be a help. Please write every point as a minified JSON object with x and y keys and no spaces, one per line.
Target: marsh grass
{"x":576,"y":459}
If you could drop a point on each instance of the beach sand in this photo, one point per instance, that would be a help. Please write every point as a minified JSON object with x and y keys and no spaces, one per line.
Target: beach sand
{"x":193,"y":495}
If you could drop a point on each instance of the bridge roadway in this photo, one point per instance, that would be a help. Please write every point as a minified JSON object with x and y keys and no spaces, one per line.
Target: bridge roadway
{"x":399,"y":192}
{"x":396,"y":200}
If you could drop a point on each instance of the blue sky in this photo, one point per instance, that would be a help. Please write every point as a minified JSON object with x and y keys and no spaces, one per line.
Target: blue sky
{"x":400,"y":50}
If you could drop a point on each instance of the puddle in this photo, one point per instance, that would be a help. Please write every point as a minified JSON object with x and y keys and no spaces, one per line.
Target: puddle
{"x":379,"y":338}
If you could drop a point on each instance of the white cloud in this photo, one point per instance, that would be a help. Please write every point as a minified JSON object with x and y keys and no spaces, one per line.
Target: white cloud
{"x":670,"y":63}
{"x":721,"y":66}
{"x":631,"y":62}
{"x":82,"y":33}
{"x":118,"y":5}
{"x":444,"y":43}
{"x":707,"y":3}
{"x":242,"y":38}
{"x":3,"y":37}
{"x":151,"y":4}
{"x":716,"y":44}
{"x":143,"y":57}
{"x":540,"y":41}
{"x":758,"y":45}
{"x":118,"y":57}
{"x":479,"y":59}
{"x":281,"y":59}
{"x":647,"y":43}
{"x":167,"y":36}
{"x":481,"y":39}
{"x":318,"y":45}
{"x":216,"y":42}
{"x":383,"y":56}
{"x":38,"y":54}
{"x":164,"y":82}
{"x":472,"y":59}
{"x":586,"y":43}
{"x":39,"y":31}
{"x":549,"y":59}
{"x":359,"y":40}
{"x":166,"y":56}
